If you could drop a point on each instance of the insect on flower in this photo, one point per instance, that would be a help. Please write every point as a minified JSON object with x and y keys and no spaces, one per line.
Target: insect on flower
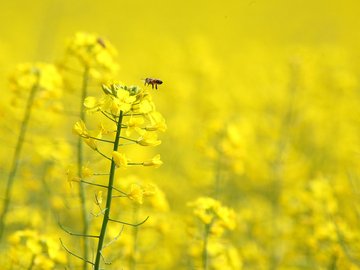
{"x":153,"y":82}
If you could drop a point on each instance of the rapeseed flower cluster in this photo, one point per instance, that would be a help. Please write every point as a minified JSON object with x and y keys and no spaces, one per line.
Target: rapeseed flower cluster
{"x":120,"y":106}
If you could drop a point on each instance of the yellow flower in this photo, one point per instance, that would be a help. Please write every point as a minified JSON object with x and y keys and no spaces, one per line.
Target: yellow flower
{"x":71,"y":175}
{"x":155,"y":161}
{"x":92,"y":104}
{"x":157,"y":122}
{"x":148,"y":139}
{"x":34,"y":245}
{"x":136,"y":193}
{"x":120,"y":159}
{"x":45,"y":76}
{"x":150,"y":190}
{"x":158,"y":199}
{"x":86,"y":172}
{"x":80,"y":128}
{"x":226,"y":217}
{"x":91,"y":142}
{"x":146,"y":106}
{"x":93,"y":51}
{"x":210,"y":211}
{"x":134,"y":124}
{"x":125,"y":100}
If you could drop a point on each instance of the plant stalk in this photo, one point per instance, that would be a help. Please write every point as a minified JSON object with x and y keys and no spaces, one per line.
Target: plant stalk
{"x":16,"y":157}
{"x":135,"y":240}
{"x":109,"y":197}
{"x":80,"y":160}
{"x":205,"y":259}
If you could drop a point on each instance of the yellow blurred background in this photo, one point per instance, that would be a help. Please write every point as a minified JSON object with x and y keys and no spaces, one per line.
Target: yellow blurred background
{"x":273,"y":84}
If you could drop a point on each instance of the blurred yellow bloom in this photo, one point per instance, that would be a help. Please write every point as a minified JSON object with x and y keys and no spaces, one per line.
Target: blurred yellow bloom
{"x":45,"y":76}
{"x":150,"y":190}
{"x":227,"y":217}
{"x":212,"y":212}
{"x":93,"y":51}
{"x":157,"y":122}
{"x":41,"y":250}
{"x":91,"y":142}
{"x":86,"y":172}
{"x":136,"y":193}
{"x":158,"y":200}
{"x":204,"y":209}
{"x":72,"y":175}
{"x":80,"y":128}
{"x":92,"y":104}
{"x":34,"y":245}
{"x":44,"y":262}
{"x":120,"y":159}
{"x":155,"y":162}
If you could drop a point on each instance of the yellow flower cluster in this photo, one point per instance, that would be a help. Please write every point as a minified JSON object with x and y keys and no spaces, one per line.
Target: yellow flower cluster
{"x":212,"y":212}
{"x":90,"y":136}
{"x":29,"y":247}
{"x":141,"y":124}
{"x":45,"y":77}
{"x":94,"y":53}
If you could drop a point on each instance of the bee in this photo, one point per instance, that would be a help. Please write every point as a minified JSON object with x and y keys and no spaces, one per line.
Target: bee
{"x":153,"y":82}
{"x":101,"y":42}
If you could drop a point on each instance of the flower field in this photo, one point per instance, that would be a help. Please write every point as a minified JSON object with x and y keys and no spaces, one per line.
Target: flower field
{"x":161,"y":135}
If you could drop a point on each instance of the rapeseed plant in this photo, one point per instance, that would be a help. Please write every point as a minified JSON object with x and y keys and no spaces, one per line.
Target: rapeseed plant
{"x":95,"y":57}
{"x":36,"y":84}
{"x":215,"y":219}
{"x":120,"y":105}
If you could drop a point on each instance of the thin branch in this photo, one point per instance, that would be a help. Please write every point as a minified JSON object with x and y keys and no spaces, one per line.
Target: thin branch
{"x":76,"y":234}
{"x":97,"y":201}
{"x":100,"y":213}
{"x":130,"y":224}
{"x":115,"y":238}
{"x":107,"y":116}
{"x":96,"y":139}
{"x":103,"y":186}
{"x":103,"y":258}
{"x":134,"y":114}
{"x":120,"y":196}
{"x":105,"y":156}
{"x":136,"y":163}
{"x":73,"y":254}
{"x":93,"y":184}
{"x":128,"y":139}
{"x":124,"y":144}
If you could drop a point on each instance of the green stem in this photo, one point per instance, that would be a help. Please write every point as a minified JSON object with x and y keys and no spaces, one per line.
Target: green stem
{"x":135,"y":240}
{"x":32,"y":262}
{"x":80,"y":159}
{"x":16,"y":157}
{"x":205,"y":259}
{"x":109,"y":197}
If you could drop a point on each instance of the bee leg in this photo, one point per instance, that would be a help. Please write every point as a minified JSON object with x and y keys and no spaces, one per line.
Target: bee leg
{"x":155,"y":86}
